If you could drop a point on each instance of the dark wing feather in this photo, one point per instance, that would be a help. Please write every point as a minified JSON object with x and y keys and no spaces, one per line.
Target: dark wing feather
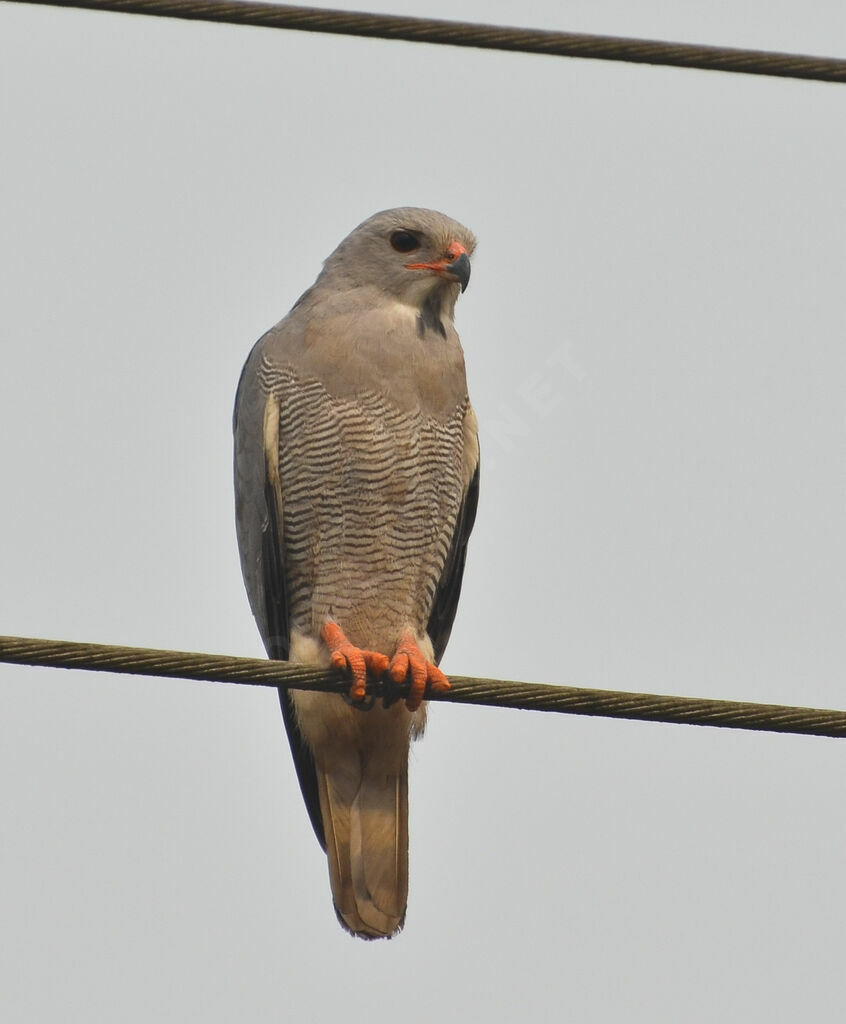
{"x":276,"y":643}
{"x":449,"y":585}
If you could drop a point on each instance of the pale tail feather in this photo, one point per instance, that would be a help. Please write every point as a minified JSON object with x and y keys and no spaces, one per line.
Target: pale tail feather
{"x":365,"y":817}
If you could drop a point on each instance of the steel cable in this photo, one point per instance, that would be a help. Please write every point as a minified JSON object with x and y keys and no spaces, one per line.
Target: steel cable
{"x":464,"y":690}
{"x":480,"y":36}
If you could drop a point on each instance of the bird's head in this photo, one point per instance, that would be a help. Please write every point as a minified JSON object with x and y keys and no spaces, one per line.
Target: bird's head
{"x":410,"y":253}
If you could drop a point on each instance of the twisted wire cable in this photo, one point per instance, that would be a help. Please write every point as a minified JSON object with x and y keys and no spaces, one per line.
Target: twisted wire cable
{"x":500,"y":693}
{"x":480,"y":36}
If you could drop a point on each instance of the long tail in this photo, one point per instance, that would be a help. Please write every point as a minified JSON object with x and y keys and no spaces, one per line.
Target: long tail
{"x":365,"y":818}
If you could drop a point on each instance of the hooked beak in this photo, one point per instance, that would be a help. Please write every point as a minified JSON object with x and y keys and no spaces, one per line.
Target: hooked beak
{"x":455,"y":265}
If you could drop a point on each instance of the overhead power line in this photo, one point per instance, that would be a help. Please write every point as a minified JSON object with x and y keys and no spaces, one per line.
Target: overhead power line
{"x":480,"y":36}
{"x":498,"y":693}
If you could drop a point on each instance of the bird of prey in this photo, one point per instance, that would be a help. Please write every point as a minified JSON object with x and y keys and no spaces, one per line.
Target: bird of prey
{"x":356,"y":482}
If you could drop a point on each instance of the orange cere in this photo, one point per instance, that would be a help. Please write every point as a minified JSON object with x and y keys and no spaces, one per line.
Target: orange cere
{"x":453,"y":251}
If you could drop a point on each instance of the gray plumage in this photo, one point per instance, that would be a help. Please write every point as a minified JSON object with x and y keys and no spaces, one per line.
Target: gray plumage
{"x":356,"y":478}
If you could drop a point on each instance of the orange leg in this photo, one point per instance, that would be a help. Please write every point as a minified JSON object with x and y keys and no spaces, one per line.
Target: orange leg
{"x":409,"y":661}
{"x":345,"y":656}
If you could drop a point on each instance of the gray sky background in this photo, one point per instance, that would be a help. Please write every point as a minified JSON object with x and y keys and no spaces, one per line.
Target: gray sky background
{"x":655,"y":342}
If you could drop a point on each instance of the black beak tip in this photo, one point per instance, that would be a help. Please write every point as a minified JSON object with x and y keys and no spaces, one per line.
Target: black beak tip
{"x":461,"y":270}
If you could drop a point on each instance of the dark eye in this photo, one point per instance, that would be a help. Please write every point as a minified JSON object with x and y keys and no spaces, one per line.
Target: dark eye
{"x":404,"y":241}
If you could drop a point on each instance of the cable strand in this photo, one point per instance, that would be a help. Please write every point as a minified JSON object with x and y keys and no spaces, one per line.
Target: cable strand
{"x":500,"y":693}
{"x":480,"y":36}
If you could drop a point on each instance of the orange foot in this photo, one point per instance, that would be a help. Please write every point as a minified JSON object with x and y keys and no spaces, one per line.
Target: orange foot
{"x":409,"y":661}
{"x":345,"y":656}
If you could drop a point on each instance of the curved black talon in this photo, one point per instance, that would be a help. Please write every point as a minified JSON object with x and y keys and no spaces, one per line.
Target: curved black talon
{"x":391,"y":691}
{"x":360,"y":705}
